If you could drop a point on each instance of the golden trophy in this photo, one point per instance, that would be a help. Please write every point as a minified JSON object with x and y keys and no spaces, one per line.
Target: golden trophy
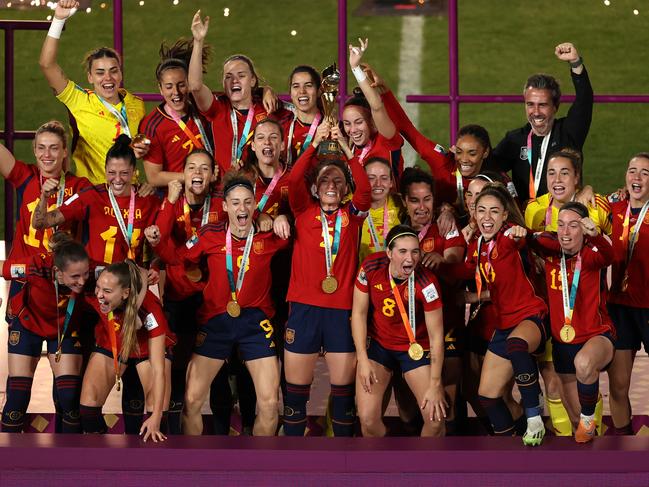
{"x":330,"y":81}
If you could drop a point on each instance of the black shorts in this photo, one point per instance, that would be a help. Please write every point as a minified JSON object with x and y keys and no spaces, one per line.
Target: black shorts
{"x":498,"y":341}
{"x":631,"y":326}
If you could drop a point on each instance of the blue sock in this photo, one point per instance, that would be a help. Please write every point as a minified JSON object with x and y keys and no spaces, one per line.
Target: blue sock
{"x":526,"y":375}
{"x":92,"y":421}
{"x":132,"y":401}
{"x":588,"y":396}
{"x":343,"y":409}
{"x":499,"y":415}
{"x":295,"y":408}
{"x":68,"y":388}
{"x":19,"y":392}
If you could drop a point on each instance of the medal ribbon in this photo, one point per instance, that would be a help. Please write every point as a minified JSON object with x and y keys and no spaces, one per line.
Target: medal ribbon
{"x":630,"y":238}
{"x":365,"y":150}
{"x":376,"y":243}
{"x":127,"y":232}
{"x":121,"y":116}
{"x":234,"y":289}
{"x":569,"y":300}
{"x":237,"y":149}
{"x":460,"y":188}
{"x":205,"y":144}
{"x":331,"y":251}
{"x":307,"y":139}
{"x":409,"y":320}
{"x":535,"y":179}
{"x":191,"y":232}
{"x":68,"y":317}
{"x":269,"y":190}
{"x":112,"y":333}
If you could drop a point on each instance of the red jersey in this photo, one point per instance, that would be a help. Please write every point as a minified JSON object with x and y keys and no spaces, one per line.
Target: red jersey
{"x":26,"y":179}
{"x":636,"y":294}
{"x":170,"y":144}
{"x":211,"y":243}
{"x":388,"y":149}
{"x":172,"y":224}
{"x":154,"y":324}
{"x":105,"y":242}
{"x":277,"y":202}
{"x":589,"y":317}
{"x":35,"y":304}
{"x":386,"y":325}
{"x":502,"y":271}
{"x":308,"y":267}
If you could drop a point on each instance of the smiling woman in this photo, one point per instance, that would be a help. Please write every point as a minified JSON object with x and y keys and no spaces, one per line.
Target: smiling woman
{"x":100,"y":116}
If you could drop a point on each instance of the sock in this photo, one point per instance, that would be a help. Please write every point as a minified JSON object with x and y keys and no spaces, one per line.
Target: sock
{"x":343,"y":409}
{"x":559,"y":416}
{"x":58,"y":416}
{"x":526,"y":375}
{"x":599,"y":412}
{"x":499,"y":415}
{"x":520,"y":425}
{"x":92,"y":421}
{"x":68,"y":389}
{"x":221,"y":402}
{"x":132,"y":401}
{"x":19,"y":392}
{"x":176,"y":401}
{"x":588,"y":396}
{"x":295,"y":408}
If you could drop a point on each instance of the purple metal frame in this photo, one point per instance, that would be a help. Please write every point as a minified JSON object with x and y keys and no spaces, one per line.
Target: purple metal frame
{"x":453,"y":99}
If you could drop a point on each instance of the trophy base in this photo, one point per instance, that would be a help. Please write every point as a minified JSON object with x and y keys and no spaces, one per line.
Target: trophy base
{"x":330,"y":149}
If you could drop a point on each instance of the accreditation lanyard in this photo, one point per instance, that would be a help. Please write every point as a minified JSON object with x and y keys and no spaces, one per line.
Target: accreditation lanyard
{"x":569,"y":299}
{"x":409,"y":320}
{"x":269,"y":190}
{"x":307,"y":139}
{"x":186,"y":215}
{"x":535,"y":179}
{"x":66,"y":322}
{"x":237,"y":148}
{"x":126,"y":231}
{"x":236,"y":288}
{"x":630,"y":238}
{"x":331,"y":250}
{"x":205,"y":144}
{"x":376,"y":243}
{"x":113,"y":326}
{"x":459,"y":184}
{"x":121,"y":115}
{"x":423,"y":232}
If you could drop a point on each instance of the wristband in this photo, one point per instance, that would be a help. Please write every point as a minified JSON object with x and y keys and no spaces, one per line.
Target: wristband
{"x":56,"y":27}
{"x":359,"y":74}
{"x":577,"y":63}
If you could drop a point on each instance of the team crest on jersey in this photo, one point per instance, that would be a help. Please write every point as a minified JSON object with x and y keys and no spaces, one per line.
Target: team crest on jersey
{"x":494,"y":253}
{"x":428,"y":245}
{"x":523,"y":154}
{"x":345,"y":219}
{"x":18,"y":271}
{"x":200,"y":338}
{"x":289,"y":336}
{"x":14,"y":337}
{"x":258,"y":247}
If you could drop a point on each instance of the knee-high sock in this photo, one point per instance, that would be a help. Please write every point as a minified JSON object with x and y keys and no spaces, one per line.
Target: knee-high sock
{"x":132,"y":401}
{"x":69,"y":391}
{"x":92,"y":421}
{"x":499,"y":415}
{"x":526,"y":374}
{"x":559,"y":416}
{"x":19,"y":392}
{"x":343,"y":410}
{"x":295,"y":408}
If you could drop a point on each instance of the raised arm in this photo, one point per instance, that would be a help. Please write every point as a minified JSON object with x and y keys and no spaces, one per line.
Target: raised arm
{"x":7,"y":161}
{"x":54,"y":74}
{"x":382,"y":120}
{"x":202,"y":94}
{"x":299,"y":196}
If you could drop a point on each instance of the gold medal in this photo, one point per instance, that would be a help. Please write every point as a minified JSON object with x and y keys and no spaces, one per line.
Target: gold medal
{"x":625,"y":282}
{"x":474,"y":313}
{"x":233,"y":309}
{"x":415,"y":351}
{"x":194,"y":274}
{"x":567,"y":333}
{"x":329,"y":284}
{"x":57,"y":355}
{"x":140,"y":139}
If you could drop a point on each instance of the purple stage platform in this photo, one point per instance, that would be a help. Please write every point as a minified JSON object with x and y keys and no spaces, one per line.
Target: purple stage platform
{"x":118,"y":460}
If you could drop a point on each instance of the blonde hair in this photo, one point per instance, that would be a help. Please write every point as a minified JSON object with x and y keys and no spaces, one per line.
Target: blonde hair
{"x":57,"y":128}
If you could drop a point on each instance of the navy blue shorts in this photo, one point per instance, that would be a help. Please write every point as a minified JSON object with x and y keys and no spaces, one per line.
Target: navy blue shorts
{"x":25,"y":342}
{"x":252,"y":331}
{"x":498,"y":346}
{"x":131,"y":360}
{"x":631,"y":326}
{"x":563,"y":355}
{"x":396,"y":361}
{"x":312,"y":329}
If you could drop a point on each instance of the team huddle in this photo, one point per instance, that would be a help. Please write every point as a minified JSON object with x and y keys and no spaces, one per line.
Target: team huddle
{"x":269,"y":233}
